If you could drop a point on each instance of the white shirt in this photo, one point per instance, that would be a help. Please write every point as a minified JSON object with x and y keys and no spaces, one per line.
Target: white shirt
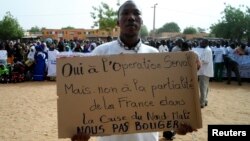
{"x":206,"y":58}
{"x":116,"y":47}
{"x":176,"y":48}
{"x":3,"y":55}
{"x":52,"y":62}
{"x":32,"y":53}
{"x":163,"y":48}
{"x":229,"y":50}
{"x":218,"y":54}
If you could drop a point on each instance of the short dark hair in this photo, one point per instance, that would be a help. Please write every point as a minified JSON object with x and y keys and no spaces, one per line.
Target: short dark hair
{"x":128,"y":1}
{"x":205,"y":40}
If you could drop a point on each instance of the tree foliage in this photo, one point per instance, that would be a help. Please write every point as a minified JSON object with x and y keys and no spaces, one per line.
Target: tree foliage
{"x":201,"y":30}
{"x":221,"y":30}
{"x":68,"y":27}
{"x":234,"y":25}
{"x":34,"y":29}
{"x":143,"y":31}
{"x":43,"y":28}
{"x":104,"y":17}
{"x":10,"y":28}
{"x":247,"y":33}
{"x":189,"y":30}
{"x":169,"y":27}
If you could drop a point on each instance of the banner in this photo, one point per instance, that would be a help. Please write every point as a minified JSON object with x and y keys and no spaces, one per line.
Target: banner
{"x":127,"y":93}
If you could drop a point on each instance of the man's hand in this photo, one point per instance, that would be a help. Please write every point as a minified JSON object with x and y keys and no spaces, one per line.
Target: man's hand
{"x":184,"y":129}
{"x":80,"y":136}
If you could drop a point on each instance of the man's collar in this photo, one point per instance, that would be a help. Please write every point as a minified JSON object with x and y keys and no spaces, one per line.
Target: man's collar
{"x":135,"y":48}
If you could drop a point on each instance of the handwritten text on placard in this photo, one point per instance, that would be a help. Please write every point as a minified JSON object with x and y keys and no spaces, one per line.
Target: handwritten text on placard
{"x":121,"y":94}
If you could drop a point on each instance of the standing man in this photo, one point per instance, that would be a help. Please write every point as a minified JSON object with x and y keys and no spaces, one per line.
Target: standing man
{"x":206,"y":70}
{"x":128,"y":42}
{"x":218,"y":53}
{"x":178,"y":45}
{"x":163,"y":47}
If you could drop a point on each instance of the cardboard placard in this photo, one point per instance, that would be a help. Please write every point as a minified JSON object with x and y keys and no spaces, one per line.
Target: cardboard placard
{"x":127,"y":93}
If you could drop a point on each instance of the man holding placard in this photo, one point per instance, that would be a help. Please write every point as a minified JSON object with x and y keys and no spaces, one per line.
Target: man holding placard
{"x":129,"y":21}
{"x":129,"y":42}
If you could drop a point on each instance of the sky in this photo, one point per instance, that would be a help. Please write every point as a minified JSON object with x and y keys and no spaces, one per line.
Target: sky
{"x":55,"y":14}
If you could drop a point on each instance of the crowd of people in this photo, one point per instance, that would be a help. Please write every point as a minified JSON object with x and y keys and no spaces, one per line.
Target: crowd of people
{"x":38,"y":58}
{"x":35,"y":60}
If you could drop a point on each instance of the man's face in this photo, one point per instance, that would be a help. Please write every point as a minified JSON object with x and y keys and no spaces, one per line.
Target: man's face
{"x":129,"y":19}
{"x":203,"y":43}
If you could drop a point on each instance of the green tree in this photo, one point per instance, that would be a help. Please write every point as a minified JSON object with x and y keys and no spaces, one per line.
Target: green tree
{"x":189,"y":30}
{"x":247,"y":32}
{"x":144,"y":31}
{"x":201,"y":30}
{"x":169,"y":27}
{"x":43,"y":28}
{"x":234,"y":24}
{"x":104,"y":17}
{"x":68,"y":27}
{"x":10,"y":28}
{"x":220,"y":30}
{"x":34,"y":29}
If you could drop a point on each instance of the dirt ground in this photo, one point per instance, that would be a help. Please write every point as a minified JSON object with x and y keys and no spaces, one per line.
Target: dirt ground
{"x":29,"y":110}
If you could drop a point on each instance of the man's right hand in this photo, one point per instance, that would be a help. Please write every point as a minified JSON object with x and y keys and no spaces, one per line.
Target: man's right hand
{"x":80,"y":136}
{"x":184,"y":129}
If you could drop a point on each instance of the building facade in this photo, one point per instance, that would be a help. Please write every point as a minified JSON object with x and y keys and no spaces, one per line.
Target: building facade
{"x":78,"y":34}
{"x":174,"y":35}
